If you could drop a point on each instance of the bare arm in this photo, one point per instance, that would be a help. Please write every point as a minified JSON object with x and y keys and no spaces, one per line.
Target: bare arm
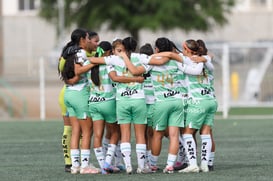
{"x":73,"y":80}
{"x":80,"y":69}
{"x":135,"y":70}
{"x":169,"y":55}
{"x":156,"y":60}
{"x":97,"y":60}
{"x":123,"y":79}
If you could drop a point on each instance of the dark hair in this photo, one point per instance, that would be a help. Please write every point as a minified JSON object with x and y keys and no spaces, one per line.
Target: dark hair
{"x":91,"y":34}
{"x":202,"y":47}
{"x":76,"y":36}
{"x":164,"y":44}
{"x":72,"y":48}
{"x":106,"y":46}
{"x":192,"y":45}
{"x":130,"y":44}
{"x":202,"y":50}
{"x":68,"y":70}
{"x":175,"y":47}
{"x":146,"y":49}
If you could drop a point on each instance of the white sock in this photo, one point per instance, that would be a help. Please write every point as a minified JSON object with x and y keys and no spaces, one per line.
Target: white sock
{"x":205,"y":149}
{"x":211,"y":158}
{"x":110,"y":153}
{"x":190,"y":148}
{"x":126,"y":153}
{"x":153,"y":160}
{"x":171,"y":159}
{"x":100,"y":156}
{"x":141,"y":155}
{"x":118,"y":155}
{"x":75,"y":157}
{"x":148,"y":157}
{"x":105,"y":143}
{"x":181,"y":156}
{"x":85,"y":156}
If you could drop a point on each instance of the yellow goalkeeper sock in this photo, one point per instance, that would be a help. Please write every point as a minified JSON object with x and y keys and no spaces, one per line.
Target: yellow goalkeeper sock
{"x":66,"y":144}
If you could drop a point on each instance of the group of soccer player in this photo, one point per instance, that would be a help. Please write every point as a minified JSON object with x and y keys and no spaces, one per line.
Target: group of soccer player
{"x":161,"y":91}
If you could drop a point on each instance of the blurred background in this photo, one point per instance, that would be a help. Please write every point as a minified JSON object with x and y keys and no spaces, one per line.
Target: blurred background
{"x":32,"y":33}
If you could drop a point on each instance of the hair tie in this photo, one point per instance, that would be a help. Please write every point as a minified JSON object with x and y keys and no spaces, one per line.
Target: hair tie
{"x":99,"y":51}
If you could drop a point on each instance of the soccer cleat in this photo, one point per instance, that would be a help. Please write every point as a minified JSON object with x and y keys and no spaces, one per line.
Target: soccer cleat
{"x":154,"y":168}
{"x":144,"y":170}
{"x":115,"y":169}
{"x":89,"y":170}
{"x":129,"y":169}
{"x":211,"y":168}
{"x":168,"y":169}
{"x":103,"y":172}
{"x":190,"y":169}
{"x":180,"y":166}
{"x":110,"y":169}
{"x":121,"y":167}
{"x":204,"y":168}
{"x":67,"y":168}
{"x":92,"y":166}
{"x":74,"y":170}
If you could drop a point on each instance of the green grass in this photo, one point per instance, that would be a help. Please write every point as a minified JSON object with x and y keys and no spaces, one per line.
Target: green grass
{"x":248,"y":111}
{"x":251,"y":111}
{"x":31,"y":151}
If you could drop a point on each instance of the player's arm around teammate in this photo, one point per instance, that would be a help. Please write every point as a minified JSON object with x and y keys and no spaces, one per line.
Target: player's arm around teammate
{"x":76,"y":97}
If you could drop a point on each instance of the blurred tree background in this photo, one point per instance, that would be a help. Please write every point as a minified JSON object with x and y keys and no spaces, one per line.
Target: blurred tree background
{"x":132,"y":16}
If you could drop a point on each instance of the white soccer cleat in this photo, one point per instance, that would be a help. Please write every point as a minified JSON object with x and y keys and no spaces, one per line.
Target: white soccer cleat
{"x":190,"y":169}
{"x":144,"y":170}
{"x":168,"y":169}
{"x":129,"y":170}
{"x":89,"y":170}
{"x":204,"y":168}
{"x":75,"y":170}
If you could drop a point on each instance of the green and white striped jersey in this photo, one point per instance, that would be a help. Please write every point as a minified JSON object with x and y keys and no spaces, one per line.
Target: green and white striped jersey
{"x":133,"y":90}
{"x":149,"y":90}
{"x":167,"y":81}
{"x":105,"y":91}
{"x":209,"y":70}
{"x":199,"y":86}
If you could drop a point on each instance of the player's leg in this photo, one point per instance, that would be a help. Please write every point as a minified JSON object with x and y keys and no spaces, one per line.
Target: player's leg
{"x":141,"y":147}
{"x":66,"y":136}
{"x":205,"y":147}
{"x":212,"y":153}
{"x":74,"y":145}
{"x":98,"y":131}
{"x":190,"y":147}
{"x":125,"y":146}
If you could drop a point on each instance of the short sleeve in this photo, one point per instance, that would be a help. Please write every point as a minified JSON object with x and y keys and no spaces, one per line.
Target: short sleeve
{"x":81,"y":57}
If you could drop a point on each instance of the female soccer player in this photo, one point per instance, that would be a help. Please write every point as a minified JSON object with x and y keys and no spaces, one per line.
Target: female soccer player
{"x":102,"y":107}
{"x":200,"y":112}
{"x":150,"y":100}
{"x":168,"y":107}
{"x":131,"y":107}
{"x":76,"y":96}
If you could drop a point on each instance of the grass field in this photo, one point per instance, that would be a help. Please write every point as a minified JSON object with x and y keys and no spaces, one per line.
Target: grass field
{"x":31,"y":151}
